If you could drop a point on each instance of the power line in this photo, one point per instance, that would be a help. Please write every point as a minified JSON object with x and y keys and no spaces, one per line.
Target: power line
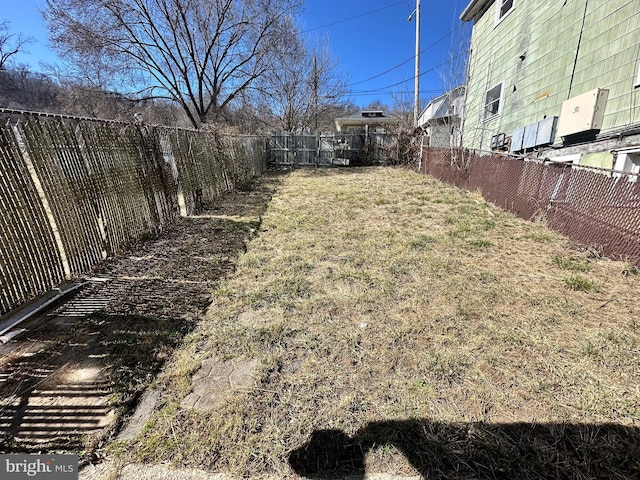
{"x":404,"y":81}
{"x":354,"y":17}
{"x":392,"y":92}
{"x":408,"y":60}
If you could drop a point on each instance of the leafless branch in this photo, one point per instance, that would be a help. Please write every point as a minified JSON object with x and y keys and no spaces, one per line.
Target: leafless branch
{"x":203,"y":53}
{"x":11,"y":44}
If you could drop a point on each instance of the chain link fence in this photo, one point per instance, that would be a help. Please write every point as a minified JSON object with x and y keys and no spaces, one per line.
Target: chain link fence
{"x":75,"y":191}
{"x":595,"y":207}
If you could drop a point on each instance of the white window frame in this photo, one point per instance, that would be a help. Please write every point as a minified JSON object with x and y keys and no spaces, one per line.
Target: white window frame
{"x":637,"y":82}
{"x":487,"y":117}
{"x":622,"y":162}
{"x":499,"y":3}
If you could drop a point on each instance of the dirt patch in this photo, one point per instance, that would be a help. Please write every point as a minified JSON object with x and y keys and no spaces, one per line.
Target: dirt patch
{"x":253,"y":319}
{"x":215,"y":381}
{"x":70,"y":379}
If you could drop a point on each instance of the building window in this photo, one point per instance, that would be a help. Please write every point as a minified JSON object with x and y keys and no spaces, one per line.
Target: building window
{"x":504,"y":7}
{"x":492,"y":102}
{"x":628,"y":162}
{"x":637,"y":83}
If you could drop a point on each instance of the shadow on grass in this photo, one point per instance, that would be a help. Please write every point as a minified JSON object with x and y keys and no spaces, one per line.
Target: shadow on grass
{"x":478,"y":450}
{"x":68,"y":381}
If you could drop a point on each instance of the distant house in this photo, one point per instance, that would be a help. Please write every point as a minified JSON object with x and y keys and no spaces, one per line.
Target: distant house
{"x":560,"y":79}
{"x":367,"y":121}
{"x":441,"y":119}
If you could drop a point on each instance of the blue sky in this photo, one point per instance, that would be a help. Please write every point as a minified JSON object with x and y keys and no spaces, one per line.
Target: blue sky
{"x":368,"y":38}
{"x":379,"y":38}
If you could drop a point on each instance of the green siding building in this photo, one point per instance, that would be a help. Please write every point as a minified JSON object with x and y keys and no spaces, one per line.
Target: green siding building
{"x":529,"y":56}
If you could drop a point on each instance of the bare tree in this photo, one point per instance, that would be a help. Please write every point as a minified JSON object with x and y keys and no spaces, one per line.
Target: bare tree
{"x":11,"y":44}
{"x":201,"y":54}
{"x":21,"y":89}
{"x":402,"y":108}
{"x":447,"y":126}
{"x":408,"y":138}
{"x":378,"y":104}
{"x":305,"y":89}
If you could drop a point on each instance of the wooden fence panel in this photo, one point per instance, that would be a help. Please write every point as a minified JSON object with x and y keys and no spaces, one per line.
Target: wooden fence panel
{"x":305,"y":149}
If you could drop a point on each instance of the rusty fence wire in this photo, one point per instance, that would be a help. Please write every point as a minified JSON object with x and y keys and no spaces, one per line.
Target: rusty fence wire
{"x":596,"y":207}
{"x":76,"y":191}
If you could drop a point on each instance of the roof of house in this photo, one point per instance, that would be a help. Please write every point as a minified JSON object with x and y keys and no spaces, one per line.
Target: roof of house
{"x":474,"y":9}
{"x":440,"y":107}
{"x":367,"y":117}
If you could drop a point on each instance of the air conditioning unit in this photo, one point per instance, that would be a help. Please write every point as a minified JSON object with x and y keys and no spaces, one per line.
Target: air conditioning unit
{"x":530,"y":136}
{"x":546,"y":131}
{"x":583,"y":113}
{"x":516,"y":140}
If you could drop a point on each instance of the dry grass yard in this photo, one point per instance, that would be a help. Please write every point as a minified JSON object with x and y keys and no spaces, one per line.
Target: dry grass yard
{"x":401,"y":325}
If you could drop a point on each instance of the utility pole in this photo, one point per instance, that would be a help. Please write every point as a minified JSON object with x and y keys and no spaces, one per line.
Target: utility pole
{"x":416,"y":100}
{"x":315,"y":106}
{"x":316,"y":83}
